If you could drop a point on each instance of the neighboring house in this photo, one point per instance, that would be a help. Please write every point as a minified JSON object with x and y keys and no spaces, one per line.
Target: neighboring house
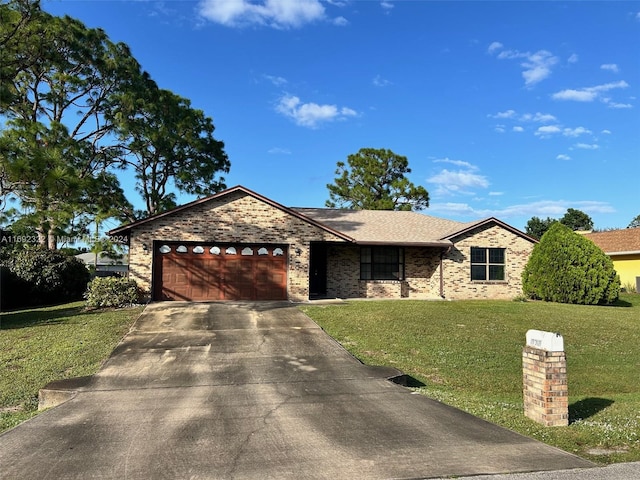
{"x":238,"y":244}
{"x":623,"y":247}
{"x":106,"y":265}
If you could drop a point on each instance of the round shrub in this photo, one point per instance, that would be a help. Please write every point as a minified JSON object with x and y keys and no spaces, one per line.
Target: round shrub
{"x":111,"y":292}
{"x":566,"y":267}
{"x":50,"y":276}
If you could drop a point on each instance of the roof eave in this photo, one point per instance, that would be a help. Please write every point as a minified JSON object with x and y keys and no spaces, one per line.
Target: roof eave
{"x":126,"y":229}
{"x":439,"y":244}
{"x":486,"y":221}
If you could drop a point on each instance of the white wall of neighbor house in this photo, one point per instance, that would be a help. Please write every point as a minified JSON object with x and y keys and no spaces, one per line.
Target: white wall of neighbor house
{"x":457,"y":264}
{"x":234,"y":218}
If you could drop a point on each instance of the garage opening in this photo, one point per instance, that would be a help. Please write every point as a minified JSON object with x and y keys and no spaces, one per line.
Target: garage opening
{"x":215,"y":271}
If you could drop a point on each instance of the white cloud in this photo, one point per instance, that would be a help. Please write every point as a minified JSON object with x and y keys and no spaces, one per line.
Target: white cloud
{"x":573,"y":58}
{"x":612,"y":67}
{"x":611,"y":104}
{"x":606,"y":132}
{"x":459,"y":163}
{"x":494,"y":47}
{"x":273,"y":13}
{"x":547,"y":130}
{"x":518,"y":129}
{"x":575,"y":95}
{"x":496,"y":194}
{"x":500,"y":128}
{"x":575,"y":132}
{"x":461,"y":181}
{"x":387,"y":5}
{"x":544,"y":117}
{"x":505,"y":114}
{"x":279,"y":151}
{"x":311,"y":114}
{"x":588,"y":94}
{"x":587,"y":146}
{"x":537,"y":66}
{"x":340,"y":21}
{"x":538,"y":117}
{"x":562,"y":156}
{"x":277,"y":81}
{"x":542,"y":208}
{"x":378,"y":81}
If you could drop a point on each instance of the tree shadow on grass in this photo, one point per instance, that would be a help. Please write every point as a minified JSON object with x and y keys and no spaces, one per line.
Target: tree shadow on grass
{"x":39,"y":316}
{"x":587,"y":407}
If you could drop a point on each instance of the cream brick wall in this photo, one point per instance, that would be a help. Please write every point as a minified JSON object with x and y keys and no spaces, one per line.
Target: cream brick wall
{"x":242,"y":218}
{"x":422,"y":275}
{"x":237,"y":217}
{"x":457,"y":265}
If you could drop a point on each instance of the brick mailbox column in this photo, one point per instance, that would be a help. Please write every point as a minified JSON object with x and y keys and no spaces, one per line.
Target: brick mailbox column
{"x":544,"y":371}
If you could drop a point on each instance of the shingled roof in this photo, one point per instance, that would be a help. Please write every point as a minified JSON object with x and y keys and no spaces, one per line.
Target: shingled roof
{"x":617,"y":242}
{"x":387,"y":227}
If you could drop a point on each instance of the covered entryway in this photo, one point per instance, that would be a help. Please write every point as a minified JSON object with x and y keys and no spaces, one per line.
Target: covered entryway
{"x":207,"y":271}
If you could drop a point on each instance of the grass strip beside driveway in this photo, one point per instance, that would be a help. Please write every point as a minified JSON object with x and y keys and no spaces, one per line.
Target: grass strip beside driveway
{"x":38,"y":346}
{"x":468,"y":354}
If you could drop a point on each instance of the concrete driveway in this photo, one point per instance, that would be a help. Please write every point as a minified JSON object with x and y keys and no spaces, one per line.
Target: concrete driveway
{"x":254,"y":391}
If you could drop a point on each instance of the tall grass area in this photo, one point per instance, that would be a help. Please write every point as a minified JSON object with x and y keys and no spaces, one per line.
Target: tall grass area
{"x":41,"y":345}
{"x":468,"y":354}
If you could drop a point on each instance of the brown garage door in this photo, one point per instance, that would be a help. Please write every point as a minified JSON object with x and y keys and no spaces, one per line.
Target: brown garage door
{"x":199,"y":272}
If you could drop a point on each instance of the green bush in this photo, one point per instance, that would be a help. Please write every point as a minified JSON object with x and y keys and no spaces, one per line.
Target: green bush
{"x":111,"y":292}
{"x":566,"y":267}
{"x":49,"y":276}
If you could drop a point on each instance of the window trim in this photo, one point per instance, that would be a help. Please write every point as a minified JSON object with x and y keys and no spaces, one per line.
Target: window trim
{"x":487,"y":264}
{"x":398,"y":251}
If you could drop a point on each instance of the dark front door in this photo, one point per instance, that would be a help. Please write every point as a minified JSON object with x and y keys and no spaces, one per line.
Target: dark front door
{"x":318,"y":270}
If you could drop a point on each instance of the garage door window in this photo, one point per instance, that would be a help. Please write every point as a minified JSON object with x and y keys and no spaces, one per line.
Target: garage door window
{"x":165,"y":249}
{"x":278,"y":252}
{"x":214,"y":250}
{"x":231,"y":251}
{"x":263,"y":251}
{"x":198,"y":249}
{"x":181,"y":249}
{"x":247,"y":251}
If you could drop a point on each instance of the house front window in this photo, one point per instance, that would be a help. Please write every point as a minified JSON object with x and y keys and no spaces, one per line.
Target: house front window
{"x":487,"y":264}
{"x":381,"y":263}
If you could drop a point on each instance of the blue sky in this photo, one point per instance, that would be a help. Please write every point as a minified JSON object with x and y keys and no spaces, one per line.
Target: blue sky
{"x":510,"y":109}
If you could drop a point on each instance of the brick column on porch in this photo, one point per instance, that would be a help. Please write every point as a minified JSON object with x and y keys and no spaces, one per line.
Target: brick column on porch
{"x":546,"y":395}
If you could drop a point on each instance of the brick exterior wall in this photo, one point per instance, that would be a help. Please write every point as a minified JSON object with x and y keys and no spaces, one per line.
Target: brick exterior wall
{"x":546,"y":396}
{"x":234,"y":218}
{"x":457,"y":264}
{"x":422,"y":275}
{"x":242,"y":218}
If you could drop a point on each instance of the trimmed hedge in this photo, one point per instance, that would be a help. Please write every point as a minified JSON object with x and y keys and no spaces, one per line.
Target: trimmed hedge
{"x":566,"y":267}
{"x":111,"y":292}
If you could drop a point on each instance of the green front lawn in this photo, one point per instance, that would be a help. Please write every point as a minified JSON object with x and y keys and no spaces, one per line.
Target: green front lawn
{"x":468,"y":354}
{"x":41,"y":345}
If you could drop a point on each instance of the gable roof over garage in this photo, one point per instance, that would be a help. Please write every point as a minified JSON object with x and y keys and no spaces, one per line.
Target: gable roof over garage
{"x":125,"y":230}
